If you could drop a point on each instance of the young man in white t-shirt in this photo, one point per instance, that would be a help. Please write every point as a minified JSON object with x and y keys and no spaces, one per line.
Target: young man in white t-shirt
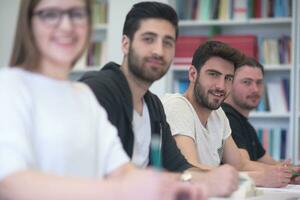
{"x":200,"y":127}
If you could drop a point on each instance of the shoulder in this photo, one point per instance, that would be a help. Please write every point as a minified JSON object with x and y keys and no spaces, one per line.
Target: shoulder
{"x":108,"y":73}
{"x":87,"y":96}
{"x":15,"y":92}
{"x":11,"y":75}
{"x":230,"y":111}
{"x":220,"y":112}
{"x":107,"y":83}
{"x":82,"y":88}
{"x":175,"y":102}
{"x":219,"y":116}
{"x":14,"y":80}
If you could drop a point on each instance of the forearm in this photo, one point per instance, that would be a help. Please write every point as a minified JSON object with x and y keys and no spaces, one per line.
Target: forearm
{"x":258,"y":177}
{"x":29,"y":185}
{"x":122,"y":171}
{"x":267,"y":159}
{"x":199,"y":167}
{"x":249,"y":165}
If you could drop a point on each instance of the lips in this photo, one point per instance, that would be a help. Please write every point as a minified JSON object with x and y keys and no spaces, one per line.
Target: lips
{"x":217,"y":94}
{"x":254,"y":97}
{"x":154,"y":61}
{"x":65,"y":41}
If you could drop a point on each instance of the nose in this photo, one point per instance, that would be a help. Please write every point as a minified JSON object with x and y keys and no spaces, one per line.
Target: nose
{"x":158,"y":48}
{"x":65,"y":22}
{"x":255,"y":87}
{"x":221,"y":84}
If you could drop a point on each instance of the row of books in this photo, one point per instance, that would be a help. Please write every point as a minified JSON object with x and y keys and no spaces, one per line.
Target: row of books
{"x":266,"y":50}
{"x":99,"y":11}
{"x":276,"y":98}
{"x":186,"y":45}
{"x":231,"y":9}
{"x":274,"y":141}
{"x":96,"y":54}
{"x":275,"y":50}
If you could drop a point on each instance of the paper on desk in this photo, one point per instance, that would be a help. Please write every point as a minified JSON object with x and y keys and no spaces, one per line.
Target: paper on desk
{"x":288,"y":188}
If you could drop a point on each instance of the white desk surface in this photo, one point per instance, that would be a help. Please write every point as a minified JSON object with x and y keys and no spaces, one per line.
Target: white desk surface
{"x":291,"y":192}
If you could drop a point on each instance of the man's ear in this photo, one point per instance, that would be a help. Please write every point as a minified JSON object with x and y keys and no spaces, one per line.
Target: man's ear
{"x":193,"y":74}
{"x":125,"y":44}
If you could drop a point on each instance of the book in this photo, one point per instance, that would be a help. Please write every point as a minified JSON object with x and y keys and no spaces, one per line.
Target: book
{"x":247,"y":44}
{"x":185,"y":48}
{"x":276,"y":143}
{"x":283,"y":144}
{"x":285,"y":85}
{"x":205,"y":9}
{"x":240,"y":8}
{"x":276,"y":97}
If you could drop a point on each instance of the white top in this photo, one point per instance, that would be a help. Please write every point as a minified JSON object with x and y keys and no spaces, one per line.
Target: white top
{"x":183,"y":120}
{"x":55,"y":127}
{"x":142,"y":137}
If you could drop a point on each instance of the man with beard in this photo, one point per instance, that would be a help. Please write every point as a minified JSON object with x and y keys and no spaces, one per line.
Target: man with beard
{"x":247,"y":90}
{"x":200,"y":127}
{"x":148,"y":44}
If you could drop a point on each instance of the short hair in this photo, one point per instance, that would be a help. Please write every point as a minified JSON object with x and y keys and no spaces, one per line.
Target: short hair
{"x":25,"y":53}
{"x":252,"y":62}
{"x":216,"y":49}
{"x":146,"y":10}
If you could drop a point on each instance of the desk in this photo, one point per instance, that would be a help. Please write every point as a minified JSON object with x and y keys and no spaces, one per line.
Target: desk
{"x":291,"y":192}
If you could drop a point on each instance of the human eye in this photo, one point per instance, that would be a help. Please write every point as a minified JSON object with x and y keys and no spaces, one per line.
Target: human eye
{"x":259,"y":83}
{"x":213,"y":74}
{"x":148,"y":39}
{"x":246,"y":82}
{"x":169,"y":43}
{"x":229,"y":78}
{"x":78,"y":13}
{"x":49,"y":15}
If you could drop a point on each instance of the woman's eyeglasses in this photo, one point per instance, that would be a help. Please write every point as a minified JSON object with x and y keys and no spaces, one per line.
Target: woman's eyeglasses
{"x":52,"y":17}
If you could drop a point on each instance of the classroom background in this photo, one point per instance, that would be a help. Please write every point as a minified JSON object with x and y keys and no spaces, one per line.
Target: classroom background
{"x":268,"y":30}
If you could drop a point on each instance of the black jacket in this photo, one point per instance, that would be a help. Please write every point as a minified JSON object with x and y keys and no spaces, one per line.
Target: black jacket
{"x":112,"y":91}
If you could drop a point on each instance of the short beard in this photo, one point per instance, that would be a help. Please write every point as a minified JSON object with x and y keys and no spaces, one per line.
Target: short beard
{"x":134,"y":66}
{"x":202,"y":98}
{"x":243,"y":105}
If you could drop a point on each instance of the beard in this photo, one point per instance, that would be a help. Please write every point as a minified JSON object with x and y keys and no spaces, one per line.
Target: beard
{"x":203,"y":99}
{"x":149,"y":74}
{"x":244,"y":104}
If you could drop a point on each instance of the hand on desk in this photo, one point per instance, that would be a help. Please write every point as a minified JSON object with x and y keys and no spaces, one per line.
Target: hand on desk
{"x":220,"y":182}
{"x":277,"y":175}
{"x":152,"y":185}
{"x":296,"y":175}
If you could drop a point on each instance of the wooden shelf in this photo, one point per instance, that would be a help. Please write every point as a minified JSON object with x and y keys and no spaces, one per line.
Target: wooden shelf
{"x":262,"y":21}
{"x":283,"y":67}
{"x":86,"y":69}
{"x":100,"y":27}
{"x":268,"y":115}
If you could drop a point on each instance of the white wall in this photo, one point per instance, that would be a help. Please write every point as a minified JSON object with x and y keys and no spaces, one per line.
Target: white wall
{"x":8,"y":18}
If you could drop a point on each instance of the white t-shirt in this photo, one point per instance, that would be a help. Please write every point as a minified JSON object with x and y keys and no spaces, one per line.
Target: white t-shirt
{"x":142,"y":137}
{"x":183,"y":120}
{"x":54,"y":127}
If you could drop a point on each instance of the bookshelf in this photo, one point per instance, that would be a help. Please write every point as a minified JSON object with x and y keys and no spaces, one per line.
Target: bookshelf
{"x":262,"y":28}
{"x":296,"y":78}
{"x":246,"y":22}
{"x":95,"y":56}
{"x":109,"y":33}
